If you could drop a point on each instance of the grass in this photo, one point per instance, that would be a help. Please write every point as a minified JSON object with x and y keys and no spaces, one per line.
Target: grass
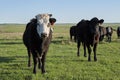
{"x":62,"y":62}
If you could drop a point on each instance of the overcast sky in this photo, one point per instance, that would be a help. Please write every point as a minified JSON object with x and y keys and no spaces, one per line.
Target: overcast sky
{"x":65,"y":11}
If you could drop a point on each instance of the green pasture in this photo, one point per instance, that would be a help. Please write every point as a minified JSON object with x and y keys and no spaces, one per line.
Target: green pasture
{"x":62,"y":62}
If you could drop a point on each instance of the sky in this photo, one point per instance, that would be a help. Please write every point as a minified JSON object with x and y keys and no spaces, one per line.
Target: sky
{"x":65,"y":11}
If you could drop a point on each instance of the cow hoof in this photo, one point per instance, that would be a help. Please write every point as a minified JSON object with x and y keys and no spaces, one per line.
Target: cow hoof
{"x":78,"y":55}
{"x":85,"y":55}
{"x":43,"y":72}
{"x":95,"y":59}
{"x":89,"y":60}
{"x":39,"y":66}
{"x":29,"y":65}
{"x":34,"y":72}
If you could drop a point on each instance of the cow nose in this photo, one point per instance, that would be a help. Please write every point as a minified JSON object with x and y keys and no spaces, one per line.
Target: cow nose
{"x":43,"y":35}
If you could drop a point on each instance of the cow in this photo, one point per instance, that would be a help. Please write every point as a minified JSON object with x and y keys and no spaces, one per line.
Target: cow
{"x":87,"y":32}
{"x":118,"y":32}
{"x":102,"y":31}
{"x":73,"y":33}
{"x":36,"y":38}
{"x":109,"y":31}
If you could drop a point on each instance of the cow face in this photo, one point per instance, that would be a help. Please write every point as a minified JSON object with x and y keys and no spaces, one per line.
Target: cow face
{"x":93,"y":25}
{"x":94,"y":28}
{"x":43,"y":24}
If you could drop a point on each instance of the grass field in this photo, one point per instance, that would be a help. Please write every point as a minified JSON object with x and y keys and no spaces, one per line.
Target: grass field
{"x":62,"y":62}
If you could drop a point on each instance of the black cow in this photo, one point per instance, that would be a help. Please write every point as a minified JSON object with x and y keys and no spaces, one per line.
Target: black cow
{"x":73,"y":33}
{"x":109,"y":31}
{"x":118,"y":32}
{"x":88,"y":33}
{"x":37,"y":37}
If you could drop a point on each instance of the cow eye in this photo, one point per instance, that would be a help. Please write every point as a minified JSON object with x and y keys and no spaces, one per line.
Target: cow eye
{"x":41,"y":20}
{"x":48,"y":25}
{"x":45,"y":21}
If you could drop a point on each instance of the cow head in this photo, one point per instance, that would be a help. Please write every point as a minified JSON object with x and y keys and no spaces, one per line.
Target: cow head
{"x":43,"y":24}
{"x":94,"y":28}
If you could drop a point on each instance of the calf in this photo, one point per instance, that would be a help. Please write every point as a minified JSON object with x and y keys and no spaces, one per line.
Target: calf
{"x":37,"y":37}
{"x":88,"y":33}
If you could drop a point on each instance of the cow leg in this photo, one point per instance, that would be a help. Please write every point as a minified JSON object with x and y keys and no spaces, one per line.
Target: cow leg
{"x":110,"y":38}
{"x":107,"y":38}
{"x":94,"y":50}
{"x":29,"y":57}
{"x":89,"y":52}
{"x":78,"y":46}
{"x":74,"y":38}
{"x":43,"y":63}
{"x":35,"y":60}
{"x":39,"y":58}
{"x":85,"y":50}
{"x":39,"y":63}
{"x":70,"y":37}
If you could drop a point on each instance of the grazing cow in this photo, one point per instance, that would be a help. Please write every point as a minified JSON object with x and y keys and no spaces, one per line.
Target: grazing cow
{"x":102,"y":31}
{"x":73,"y":33}
{"x":37,"y":37}
{"x":88,"y":33}
{"x":109,"y":32}
{"x":118,"y":32}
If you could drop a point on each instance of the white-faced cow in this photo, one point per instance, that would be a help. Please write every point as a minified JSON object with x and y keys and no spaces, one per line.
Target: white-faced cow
{"x":88,"y":34}
{"x":37,"y":37}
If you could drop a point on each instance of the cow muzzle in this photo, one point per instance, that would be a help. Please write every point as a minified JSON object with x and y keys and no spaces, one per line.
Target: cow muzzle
{"x":43,"y":35}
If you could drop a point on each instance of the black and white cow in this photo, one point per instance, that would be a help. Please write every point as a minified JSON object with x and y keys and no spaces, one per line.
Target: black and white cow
{"x":37,"y":37}
{"x":109,"y":31}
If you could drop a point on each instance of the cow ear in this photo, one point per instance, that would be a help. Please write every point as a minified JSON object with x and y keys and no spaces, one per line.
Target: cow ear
{"x":101,"y":21}
{"x":50,"y":15}
{"x":37,"y":16}
{"x":52,"y":21}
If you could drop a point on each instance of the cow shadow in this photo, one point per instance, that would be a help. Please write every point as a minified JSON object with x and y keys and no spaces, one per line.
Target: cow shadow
{"x":63,"y":41}
{"x":60,"y":37}
{"x":65,"y":58}
{"x":56,"y":41}
{"x":11,"y":43}
{"x":13,"y":59}
{"x":6,"y":59}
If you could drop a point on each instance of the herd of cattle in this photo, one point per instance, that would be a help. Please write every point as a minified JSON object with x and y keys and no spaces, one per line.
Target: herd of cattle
{"x":38,"y":35}
{"x":103,"y":31}
{"x":89,"y":33}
